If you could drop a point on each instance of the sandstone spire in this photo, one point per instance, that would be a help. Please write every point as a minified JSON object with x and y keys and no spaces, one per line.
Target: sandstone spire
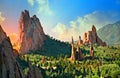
{"x":91,"y":51}
{"x":31,"y":34}
{"x":94,"y":28}
{"x":76,"y":53}
{"x":80,"y":42}
{"x":92,"y":37}
{"x":85,"y":38}
{"x":72,"y":40}
{"x":73,"y":50}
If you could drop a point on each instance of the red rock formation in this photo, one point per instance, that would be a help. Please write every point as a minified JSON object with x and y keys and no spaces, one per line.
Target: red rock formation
{"x":31,"y":33}
{"x":93,"y":29}
{"x":91,"y":51}
{"x":86,"y":40}
{"x":43,"y":59}
{"x":91,"y":37}
{"x":73,"y":50}
{"x":76,"y":53}
{"x":9,"y":67}
{"x":80,"y":42}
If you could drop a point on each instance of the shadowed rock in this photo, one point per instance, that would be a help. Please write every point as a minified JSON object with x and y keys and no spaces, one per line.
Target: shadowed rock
{"x":33,"y":72}
{"x":2,"y":34}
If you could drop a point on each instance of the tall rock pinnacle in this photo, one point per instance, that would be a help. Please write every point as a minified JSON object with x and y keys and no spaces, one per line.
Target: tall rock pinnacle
{"x":31,"y":34}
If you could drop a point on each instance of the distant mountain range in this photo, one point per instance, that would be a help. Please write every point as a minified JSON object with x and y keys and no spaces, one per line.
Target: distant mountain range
{"x":110,"y":33}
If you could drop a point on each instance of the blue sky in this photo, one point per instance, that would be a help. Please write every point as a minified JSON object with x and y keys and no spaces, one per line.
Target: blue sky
{"x":61,"y":18}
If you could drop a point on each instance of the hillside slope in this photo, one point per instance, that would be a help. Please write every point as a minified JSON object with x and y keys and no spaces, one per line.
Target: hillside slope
{"x":53,"y":47}
{"x":110,"y":33}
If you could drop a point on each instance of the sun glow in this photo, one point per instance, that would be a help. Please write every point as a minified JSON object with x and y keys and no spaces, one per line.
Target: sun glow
{"x":14,"y":40}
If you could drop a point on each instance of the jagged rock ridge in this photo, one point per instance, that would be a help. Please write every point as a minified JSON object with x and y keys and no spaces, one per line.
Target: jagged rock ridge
{"x":31,"y":32}
{"x":91,"y":37}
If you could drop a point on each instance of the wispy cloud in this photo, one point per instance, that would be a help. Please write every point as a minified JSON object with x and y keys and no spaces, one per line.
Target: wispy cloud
{"x":83,"y":24}
{"x":2,"y":18}
{"x":43,"y":6}
{"x":31,"y":2}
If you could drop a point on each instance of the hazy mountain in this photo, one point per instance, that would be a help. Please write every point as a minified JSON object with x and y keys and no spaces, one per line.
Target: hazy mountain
{"x":110,"y":33}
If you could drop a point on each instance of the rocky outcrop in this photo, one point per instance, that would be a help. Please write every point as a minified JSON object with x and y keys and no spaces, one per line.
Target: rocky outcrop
{"x":91,"y":51}
{"x":80,"y":42}
{"x":85,"y":38}
{"x":33,"y":72}
{"x":31,"y":33}
{"x":76,"y":53}
{"x":2,"y":34}
{"x":91,"y":37}
{"x":9,"y":67}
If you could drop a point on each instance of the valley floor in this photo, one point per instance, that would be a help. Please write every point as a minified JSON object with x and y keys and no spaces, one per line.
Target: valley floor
{"x":105,"y":64}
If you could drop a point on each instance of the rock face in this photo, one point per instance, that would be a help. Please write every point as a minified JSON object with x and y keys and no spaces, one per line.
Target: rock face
{"x":91,"y":37}
{"x":9,"y":67}
{"x":80,"y":42}
{"x":33,"y":72}
{"x":2,"y":34}
{"x":91,"y":51}
{"x":31,"y":32}
{"x":76,"y":52}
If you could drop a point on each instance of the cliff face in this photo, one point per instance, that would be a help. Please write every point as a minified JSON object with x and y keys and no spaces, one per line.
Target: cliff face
{"x":31,"y":32}
{"x":33,"y":72}
{"x":9,"y":67}
{"x":92,"y":37}
{"x":2,"y":34}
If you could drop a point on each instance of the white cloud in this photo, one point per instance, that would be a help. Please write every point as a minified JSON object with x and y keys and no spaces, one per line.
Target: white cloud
{"x":31,"y":2}
{"x":43,"y":6}
{"x":83,"y":24}
{"x":1,"y":18}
